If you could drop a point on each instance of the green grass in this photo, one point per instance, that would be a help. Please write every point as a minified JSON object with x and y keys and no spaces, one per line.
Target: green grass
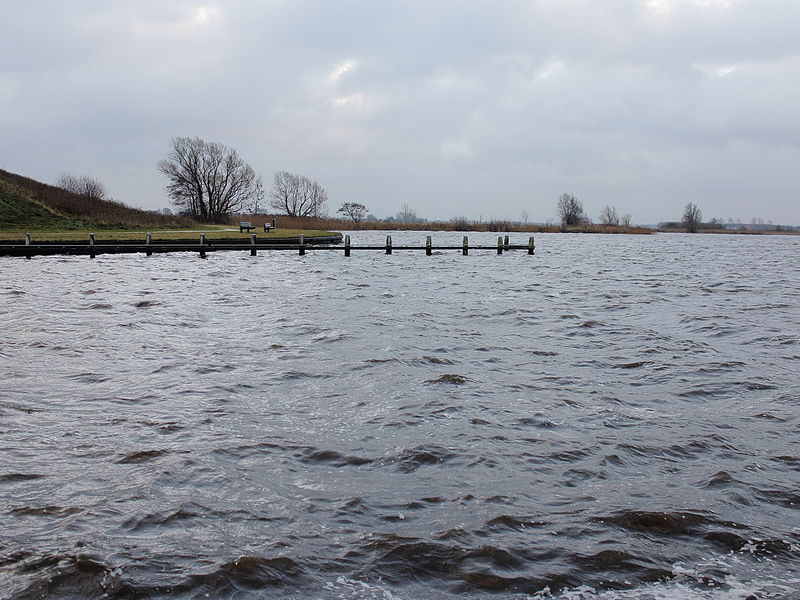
{"x":211,"y":232}
{"x":19,"y":210}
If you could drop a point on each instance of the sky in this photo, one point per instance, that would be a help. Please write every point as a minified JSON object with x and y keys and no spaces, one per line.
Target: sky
{"x":457,"y":108}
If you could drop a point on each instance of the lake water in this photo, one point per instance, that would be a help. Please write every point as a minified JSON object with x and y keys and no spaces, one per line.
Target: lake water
{"x":616,"y":417}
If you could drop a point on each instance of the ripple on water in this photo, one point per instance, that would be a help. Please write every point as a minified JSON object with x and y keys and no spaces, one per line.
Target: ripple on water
{"x":612,"y":418}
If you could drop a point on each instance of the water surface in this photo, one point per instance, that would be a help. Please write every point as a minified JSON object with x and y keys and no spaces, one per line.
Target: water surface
{"x":615,"y":417}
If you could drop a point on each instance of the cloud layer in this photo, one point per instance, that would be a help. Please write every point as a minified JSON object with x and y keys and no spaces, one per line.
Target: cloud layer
{"x":477,"y":108}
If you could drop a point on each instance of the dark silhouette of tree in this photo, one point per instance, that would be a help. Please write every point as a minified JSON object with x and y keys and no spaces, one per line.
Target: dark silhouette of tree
{"x":570,"y":210}
{"x":692,"y":218}
{"x":297,"y":195}
{"x":609,"y":216}
{"x":88,"y":187}
{"x":207,"y":180}
{"x":354,"y":211}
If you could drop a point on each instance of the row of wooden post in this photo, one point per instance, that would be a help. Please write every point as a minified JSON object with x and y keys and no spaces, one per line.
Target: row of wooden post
{"x":502,"y":244}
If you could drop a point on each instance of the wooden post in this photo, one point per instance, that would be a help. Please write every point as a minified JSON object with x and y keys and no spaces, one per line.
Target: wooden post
{"x":252,"y":244}
{"x":500,"y":244}
{"x":388,"y":244}
{"x":428,"y":244}
{"x":465,"y":246}
{"x":28,"y":243}
{"x":347,"y":245}
{"x":302,"y":245}
{"x":505,"y":243}
{"x":274,"y":224}
{"x":202,"y":245}
{"x":530,"y":245}
{"x":91,"y":246}
{"x":147,"y":240}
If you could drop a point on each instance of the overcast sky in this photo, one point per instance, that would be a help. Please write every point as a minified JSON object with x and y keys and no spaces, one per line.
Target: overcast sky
{"x":480,"y":109}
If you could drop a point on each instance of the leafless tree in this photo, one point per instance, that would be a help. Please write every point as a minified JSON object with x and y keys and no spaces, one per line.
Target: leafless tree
{"x":692,"y":217}
{"x":524,"y":215}
{"x":570,"y":210}
{"x":407,"y":214}
{"x":297,"y":195}
{"x":85,"y":186}
{"x":208,"y":180}
{"x":626,"y":220}
{"x":353,"y":210}
{"x":609,"y":216}
{"x":460,"y":223}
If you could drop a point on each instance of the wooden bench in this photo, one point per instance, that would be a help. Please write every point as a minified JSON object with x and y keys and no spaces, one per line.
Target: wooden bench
{"x":267,"y":227}
{"x":245,"y":225}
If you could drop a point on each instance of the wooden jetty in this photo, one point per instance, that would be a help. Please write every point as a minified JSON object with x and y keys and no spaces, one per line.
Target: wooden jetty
{"x":202,"y":246}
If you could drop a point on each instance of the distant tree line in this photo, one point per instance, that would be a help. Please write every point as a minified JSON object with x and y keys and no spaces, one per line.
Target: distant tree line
{"x":571,"y":213}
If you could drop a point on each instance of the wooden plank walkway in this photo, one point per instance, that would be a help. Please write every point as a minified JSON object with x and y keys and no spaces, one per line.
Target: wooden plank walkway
{"x":202,"y":246}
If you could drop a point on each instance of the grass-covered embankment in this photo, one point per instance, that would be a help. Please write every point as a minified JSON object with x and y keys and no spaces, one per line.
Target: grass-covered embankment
{"x":29,"y":205}
{"x":210,"y":232}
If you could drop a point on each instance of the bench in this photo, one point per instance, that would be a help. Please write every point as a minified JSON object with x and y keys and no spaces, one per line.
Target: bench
{"x":267,"y":227}
{"x":245,"y":225}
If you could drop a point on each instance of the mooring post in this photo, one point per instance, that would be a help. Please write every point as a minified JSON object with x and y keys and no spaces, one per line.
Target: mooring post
{"x":91,"y":246}
{"x":148,"y":238}
{"x":500,"y":244}
{"x":465,"y":246}
{"x":530,"y":245}
{"x":428,"y":244}
{"x":252,"y":244}
{"x":347,"y":245}
{"x":505,"y":243}
{"x":28,"y":243}
{"x":202,"y":245}
{"x":388,"y":244}
{"x":302,"y":245}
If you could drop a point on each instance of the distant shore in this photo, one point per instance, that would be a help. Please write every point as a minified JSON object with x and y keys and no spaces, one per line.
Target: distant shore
{"x":496,"y":226}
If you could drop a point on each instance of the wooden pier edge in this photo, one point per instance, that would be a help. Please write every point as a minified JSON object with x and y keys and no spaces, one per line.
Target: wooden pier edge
{"x":203,"y":245}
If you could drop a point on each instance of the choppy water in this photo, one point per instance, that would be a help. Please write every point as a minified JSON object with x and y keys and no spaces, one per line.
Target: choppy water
{"x":615,"y":417}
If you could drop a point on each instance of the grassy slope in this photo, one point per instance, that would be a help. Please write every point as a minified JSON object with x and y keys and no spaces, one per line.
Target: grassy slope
{"x":20,"y":210}
{"x":27,"y":204}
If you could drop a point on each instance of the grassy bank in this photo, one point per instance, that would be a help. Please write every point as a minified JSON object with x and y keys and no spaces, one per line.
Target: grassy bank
{"x":211,"y":233}
{"x":29,"y":205}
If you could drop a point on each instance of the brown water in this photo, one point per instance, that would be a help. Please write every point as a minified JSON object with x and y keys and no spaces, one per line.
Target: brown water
{"x":615,"y":417}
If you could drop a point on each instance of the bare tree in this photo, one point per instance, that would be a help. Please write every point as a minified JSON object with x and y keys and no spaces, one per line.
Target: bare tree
{"x":609,"y":216}
{"x":692,"y":217}
{"x":407,"y":214}
{"x":354,"y":211}
{"x":570,"y":210}
{"x":207,"y":180}
{"x":85,"y":186}
{"x":297,"y":195}
{"x":460,"y":223}
{"x":626,"y":220}
{"x":254,"y":205}
{"x":524,"y":215}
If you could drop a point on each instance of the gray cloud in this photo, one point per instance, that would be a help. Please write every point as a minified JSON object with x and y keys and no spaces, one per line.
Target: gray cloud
{"x":456,"y":108}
